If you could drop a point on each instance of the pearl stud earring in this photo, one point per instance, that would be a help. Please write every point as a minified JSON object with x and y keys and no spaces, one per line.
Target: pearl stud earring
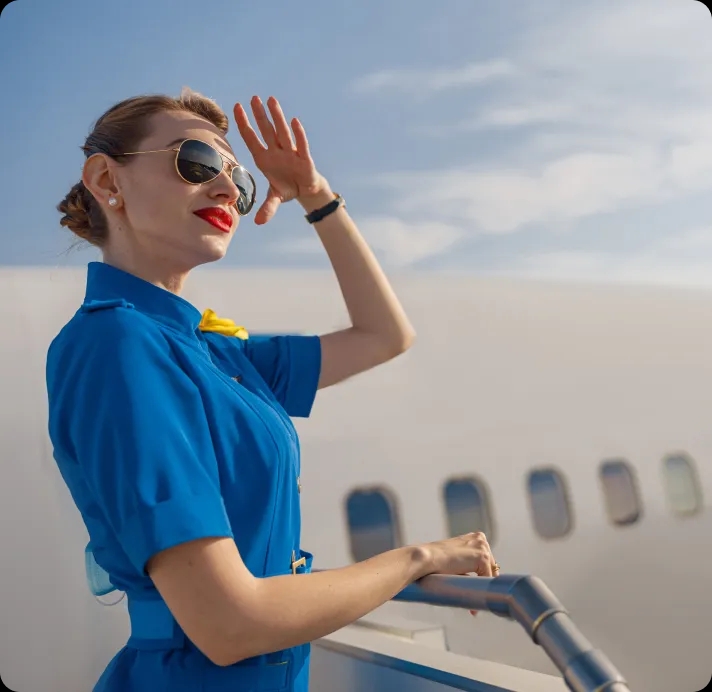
{"x":113,"y":201}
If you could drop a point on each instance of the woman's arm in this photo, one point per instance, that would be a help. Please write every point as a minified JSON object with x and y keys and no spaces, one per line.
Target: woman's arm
{"x":230,"y":615}
{"x":380,"y":328}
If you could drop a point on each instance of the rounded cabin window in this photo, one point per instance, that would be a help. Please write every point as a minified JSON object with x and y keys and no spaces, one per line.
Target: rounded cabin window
{"x":682,"y":485}
{"x":373,"y":523}
{"x":620,"y":492}
{"x":549,"y":503}
{"x":467,"y":507}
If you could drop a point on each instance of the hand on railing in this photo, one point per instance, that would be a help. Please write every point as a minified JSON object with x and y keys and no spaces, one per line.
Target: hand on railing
{"x":460,"y":555}
{"x":466,"y":554}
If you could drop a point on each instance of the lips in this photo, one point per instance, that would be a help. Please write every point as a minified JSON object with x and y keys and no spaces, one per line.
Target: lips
{"x":216,"y":216}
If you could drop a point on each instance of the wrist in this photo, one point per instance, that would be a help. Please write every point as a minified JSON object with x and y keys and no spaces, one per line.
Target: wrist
{"x":419,"y":560}
{"x":316,"y":200}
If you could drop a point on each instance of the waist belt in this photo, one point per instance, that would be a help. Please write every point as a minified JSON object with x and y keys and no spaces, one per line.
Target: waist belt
{"x":153,"y":628}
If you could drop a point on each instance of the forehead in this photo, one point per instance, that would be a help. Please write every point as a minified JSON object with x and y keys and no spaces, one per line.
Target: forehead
{"x":168,"y":127}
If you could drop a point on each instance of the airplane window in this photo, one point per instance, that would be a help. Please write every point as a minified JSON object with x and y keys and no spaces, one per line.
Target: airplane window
{"x":549,"y":503}
{"x":683,"y":489}
{"x":373,"y":522}
{"x":620,"y":492}
{"x":467,"y":507}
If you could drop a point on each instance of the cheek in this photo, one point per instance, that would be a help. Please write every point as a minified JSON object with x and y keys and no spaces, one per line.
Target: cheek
{"x":158,"y":205}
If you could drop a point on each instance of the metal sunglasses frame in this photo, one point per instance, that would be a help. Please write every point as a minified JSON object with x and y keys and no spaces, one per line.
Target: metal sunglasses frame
{"x":225,"y":162}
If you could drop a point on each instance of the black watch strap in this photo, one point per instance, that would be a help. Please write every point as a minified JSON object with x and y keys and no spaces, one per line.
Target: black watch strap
{"x":322,"y":212}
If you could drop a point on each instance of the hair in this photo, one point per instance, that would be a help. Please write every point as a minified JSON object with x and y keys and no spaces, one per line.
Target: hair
{"x":121,"y":129}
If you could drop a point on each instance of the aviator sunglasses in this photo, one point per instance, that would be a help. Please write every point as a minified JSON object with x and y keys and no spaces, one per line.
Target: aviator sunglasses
{"x":198,"y":162}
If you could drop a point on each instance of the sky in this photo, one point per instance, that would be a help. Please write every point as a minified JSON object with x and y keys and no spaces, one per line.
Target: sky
{"x":558,"y":140}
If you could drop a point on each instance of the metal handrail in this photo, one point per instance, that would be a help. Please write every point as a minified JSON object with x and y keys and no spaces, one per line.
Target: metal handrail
{"x":527,"y":600}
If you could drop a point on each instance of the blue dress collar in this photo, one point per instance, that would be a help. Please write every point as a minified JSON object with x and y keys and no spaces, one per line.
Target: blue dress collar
{"x":105,"y":282}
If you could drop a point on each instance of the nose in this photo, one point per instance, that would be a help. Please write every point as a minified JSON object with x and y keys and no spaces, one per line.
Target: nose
{"x":224,"y":187}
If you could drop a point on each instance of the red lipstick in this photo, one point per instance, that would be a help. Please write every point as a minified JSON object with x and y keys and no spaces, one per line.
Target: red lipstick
{"x":218,"y":217}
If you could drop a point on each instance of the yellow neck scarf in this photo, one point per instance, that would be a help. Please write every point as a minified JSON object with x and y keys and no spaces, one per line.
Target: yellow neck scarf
{"x":212,"y":323}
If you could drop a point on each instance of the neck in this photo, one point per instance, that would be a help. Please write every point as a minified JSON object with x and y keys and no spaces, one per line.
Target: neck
{"x":156,"y":270}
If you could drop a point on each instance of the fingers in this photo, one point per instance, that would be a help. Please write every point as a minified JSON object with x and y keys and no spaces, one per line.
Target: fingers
{"x":278,"y":135}
{"x":484,"y":568}
{"x":263,"y":123}
{"x":284,"y":135}
{"x":268,"y":208}
{"x":301,"y":137}
{"x":485,"y":562}
{"x":252,"y":141}
{"x":489,"y":565}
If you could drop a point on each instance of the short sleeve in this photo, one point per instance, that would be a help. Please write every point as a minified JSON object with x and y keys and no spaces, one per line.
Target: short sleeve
{"x":131,"y":419}
{"x":289,"y":364}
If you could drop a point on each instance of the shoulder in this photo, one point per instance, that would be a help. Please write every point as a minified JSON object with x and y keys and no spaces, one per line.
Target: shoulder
{"x":101,"y":323}
{"x":102,"y":328}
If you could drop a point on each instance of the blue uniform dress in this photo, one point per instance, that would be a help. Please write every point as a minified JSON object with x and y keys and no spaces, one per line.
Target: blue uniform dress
{"x":164,"y":434}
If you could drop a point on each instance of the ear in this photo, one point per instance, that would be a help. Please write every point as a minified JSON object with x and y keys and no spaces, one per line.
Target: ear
{"x":99,"y":177}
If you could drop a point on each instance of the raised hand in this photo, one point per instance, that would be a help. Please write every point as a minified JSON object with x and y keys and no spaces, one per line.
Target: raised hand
{"x":283,"y":157}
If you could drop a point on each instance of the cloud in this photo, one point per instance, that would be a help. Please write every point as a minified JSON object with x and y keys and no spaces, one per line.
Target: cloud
{"x":611,"y":105}
{"x":502,"y":201}
{"x":433,"y":81}
{"x":398,"y":243}
{"x":519,"y":115}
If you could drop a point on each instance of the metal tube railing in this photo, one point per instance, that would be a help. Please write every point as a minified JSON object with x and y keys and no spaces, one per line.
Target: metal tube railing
{"x":527,"y":600}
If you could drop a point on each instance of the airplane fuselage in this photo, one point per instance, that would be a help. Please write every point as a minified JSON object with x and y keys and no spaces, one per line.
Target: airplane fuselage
{"x":510,"y":385}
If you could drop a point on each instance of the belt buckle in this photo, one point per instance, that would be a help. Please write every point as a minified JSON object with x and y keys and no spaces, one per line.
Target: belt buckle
{"x":301,"y":562}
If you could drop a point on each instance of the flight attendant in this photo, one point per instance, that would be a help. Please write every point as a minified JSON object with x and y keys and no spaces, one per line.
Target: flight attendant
{"x":172,"y":429}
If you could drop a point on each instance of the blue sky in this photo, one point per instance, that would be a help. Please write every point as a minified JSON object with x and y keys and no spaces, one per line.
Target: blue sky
{"x":565,"y":140}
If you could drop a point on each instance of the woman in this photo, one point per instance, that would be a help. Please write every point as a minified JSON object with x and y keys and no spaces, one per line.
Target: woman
{"x":173,"y":433}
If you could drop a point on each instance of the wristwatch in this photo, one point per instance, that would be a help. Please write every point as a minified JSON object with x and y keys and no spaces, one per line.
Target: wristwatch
{"x":323,"y":212}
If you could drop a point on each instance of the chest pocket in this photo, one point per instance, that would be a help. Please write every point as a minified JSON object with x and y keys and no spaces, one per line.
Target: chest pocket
{"x":241,"y":371}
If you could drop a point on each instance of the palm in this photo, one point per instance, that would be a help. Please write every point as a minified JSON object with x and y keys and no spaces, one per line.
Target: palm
{"x":283,"y":158}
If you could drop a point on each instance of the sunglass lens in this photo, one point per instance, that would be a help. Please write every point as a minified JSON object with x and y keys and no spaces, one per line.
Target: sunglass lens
{"x":246,"y":185}
{"x":198,"y":162}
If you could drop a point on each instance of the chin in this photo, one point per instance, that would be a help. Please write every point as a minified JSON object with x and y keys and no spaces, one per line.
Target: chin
{"x":211,"y":250}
